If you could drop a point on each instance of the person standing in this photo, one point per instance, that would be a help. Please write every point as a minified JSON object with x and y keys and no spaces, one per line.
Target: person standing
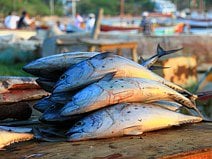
{"x":78,"y":20}
{"x":11,"y":20}
{"x":24,"y":21}
{"x":90,"y":22}
{"x":145,"y":24}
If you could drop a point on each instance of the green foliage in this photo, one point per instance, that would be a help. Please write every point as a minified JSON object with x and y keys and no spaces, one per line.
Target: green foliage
{"x":135,"y":7}
{"x":12,"y":70}
{"x":33,"y":7}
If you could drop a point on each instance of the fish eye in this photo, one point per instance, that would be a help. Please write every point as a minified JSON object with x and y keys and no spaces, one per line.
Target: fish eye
{"x":63,"y":76}
{"x":79,"y":123}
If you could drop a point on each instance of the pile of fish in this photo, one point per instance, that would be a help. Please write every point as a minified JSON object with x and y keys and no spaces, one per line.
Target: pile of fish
{"x":99,"y":95}
{"x":104,"y":95}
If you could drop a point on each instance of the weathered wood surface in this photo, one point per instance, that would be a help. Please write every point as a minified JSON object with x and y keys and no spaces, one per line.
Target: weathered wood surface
{"x":194,"y":139}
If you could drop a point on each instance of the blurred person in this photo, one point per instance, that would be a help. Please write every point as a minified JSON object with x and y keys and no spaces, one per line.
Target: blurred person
{"x":11,"y":20}
{"x":61,"y":26}
{"x":90,"y":22}
{"x":25,"y":21}
{"x":145,"y":24}
{"x":78,"y":20}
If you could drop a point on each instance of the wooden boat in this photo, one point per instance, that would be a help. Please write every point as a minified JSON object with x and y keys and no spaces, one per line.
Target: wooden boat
{"x":118,"y":28}
{"x":197,"y":23}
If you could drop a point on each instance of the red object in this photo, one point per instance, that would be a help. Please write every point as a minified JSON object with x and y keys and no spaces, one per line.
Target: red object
{"x":118,"y":28}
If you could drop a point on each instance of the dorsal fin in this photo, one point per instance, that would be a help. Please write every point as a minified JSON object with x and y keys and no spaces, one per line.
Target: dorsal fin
{"x":103,"y":55}
{"x":161,"y":52}
{"x":141,"y":60}
{"x":157,"y":67}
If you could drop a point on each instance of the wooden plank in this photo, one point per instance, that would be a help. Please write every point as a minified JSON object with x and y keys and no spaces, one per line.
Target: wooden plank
{"x":183,"y":139}
{"x":96,"y":29}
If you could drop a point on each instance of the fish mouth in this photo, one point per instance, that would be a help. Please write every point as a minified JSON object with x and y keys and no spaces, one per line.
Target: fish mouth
{"x":59,"y":88}
{"x":69,"y":109}
{"x":75,"y":136}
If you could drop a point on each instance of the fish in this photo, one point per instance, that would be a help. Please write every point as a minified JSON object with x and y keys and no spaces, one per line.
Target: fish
{"x":9,"y":135}
{"x":43,"y":104}
{"x":160,"y":52}
{"x":50,"y":101}
{"x":96,"y":67}
{"x":46,"y":84}
{"x":112,"y":91}
{"x":62,"y":97}
{"x":52,"y":67}
{"x":8,"y":83}
{"x":52,"y":116}
{"x":48,"y":134}
{"x":126,"y":119}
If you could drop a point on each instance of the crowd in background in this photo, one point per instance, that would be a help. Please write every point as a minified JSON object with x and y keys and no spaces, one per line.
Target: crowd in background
{"x":13,"y":21}
{"x":86,"y":23}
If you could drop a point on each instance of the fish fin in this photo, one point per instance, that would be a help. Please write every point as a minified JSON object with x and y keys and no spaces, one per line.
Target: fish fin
{"x":103,"y":55}
{"x":108,"y":76}
{"x":161,"y":52}
{"x":134,"y":130}
{"x":157,"y":67}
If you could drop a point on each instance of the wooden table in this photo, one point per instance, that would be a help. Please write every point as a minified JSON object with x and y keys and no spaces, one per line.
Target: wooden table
{"x":110,"y":44}
{"x":183,"y":142}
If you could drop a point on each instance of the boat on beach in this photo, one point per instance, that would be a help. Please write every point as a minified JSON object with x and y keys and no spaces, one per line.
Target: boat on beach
{"x":197,"y":23}
{"x":106,"y":28}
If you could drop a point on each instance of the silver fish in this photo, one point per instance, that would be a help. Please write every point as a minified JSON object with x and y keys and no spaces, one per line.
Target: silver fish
{"x":126,"y":119}
{"x":107,"y":92}
{"x":52,"y":116}
{"x":95,"y":68}
{"x":43,"y":104}
{"x":46,"y":84}
{"x":62,"y":97}
{"x":53,"y":66}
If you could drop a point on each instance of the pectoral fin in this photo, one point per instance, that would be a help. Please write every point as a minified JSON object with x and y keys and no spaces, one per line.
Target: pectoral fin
{"x":134,"y":130}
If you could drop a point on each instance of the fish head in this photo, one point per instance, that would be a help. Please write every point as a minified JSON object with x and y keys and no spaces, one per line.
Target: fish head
{"x":51,"y":114}
{"x":43,"y":104}
{"x":83,"y":101}
{"x":75,"y":77}
{"x":33,"y":67}
{"x":92,"y":126}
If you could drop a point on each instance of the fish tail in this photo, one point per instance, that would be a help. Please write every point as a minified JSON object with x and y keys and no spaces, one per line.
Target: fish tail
{"x":187,"y":102}
{"x":181,"y":90}
{"x":182,"y":100}
{"x":161,"y":52}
